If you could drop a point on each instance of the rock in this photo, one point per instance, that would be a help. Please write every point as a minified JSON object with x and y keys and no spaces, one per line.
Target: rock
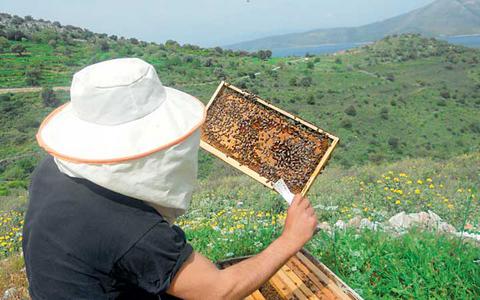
{"x":367,"y":224}
{"x":324,"y":226}
{"x":340,"y":225}
{"x":354,"y":222}
{"x":400,"y":220}
{"x":10,"y":294}
{"x":445,"y":227}
{"x":423,"y":219}
{"x":468,"y":235}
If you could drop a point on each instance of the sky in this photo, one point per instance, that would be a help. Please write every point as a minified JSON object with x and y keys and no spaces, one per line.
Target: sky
{"x":209,"y":22}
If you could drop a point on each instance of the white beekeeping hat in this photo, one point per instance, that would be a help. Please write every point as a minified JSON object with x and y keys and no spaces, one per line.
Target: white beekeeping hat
{"x":125,"y":131}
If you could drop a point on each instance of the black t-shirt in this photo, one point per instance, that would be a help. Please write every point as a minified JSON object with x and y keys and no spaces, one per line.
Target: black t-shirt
{"x":82,"y":241}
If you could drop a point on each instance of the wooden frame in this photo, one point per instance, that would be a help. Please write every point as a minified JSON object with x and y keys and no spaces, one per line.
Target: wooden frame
{"x":287,"y":283}
{"x":245,"y":169}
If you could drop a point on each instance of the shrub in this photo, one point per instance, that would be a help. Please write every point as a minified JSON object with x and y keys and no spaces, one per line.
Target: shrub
{"x":445,"y":94}
{"x":219,"y":73}
{"x":442,"y":102}
{"x":306,"y":81}
{"x":351,"y":111}
{"x":49,"y":98}
{"x":393,"y":142}
{"x":33,"y":76}
{"x":346,"y":123}
{"x":264,"y":54}
{"x":311,"y":100}
{"x":104,"y":46}
{"x":18,"y":49}
{"x":4,"y":44}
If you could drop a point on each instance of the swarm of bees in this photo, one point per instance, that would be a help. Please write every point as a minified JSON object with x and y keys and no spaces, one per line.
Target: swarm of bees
{"x":267,"y":142}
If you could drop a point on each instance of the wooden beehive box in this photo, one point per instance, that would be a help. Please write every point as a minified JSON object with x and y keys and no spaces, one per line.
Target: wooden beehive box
{"x":263,"y":141}
{"x":302,"y":277}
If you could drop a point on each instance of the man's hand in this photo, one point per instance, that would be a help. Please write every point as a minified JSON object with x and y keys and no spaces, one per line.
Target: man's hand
{"x":198,"y":278}
{"x":301,"y":222}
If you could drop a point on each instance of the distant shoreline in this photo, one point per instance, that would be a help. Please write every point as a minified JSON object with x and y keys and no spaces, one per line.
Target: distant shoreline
{"x":461,"y":35}
{"x":470,"y":40}
{"x":371,"y":42}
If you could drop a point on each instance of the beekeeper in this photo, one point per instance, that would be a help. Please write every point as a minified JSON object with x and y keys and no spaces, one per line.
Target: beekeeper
{"x":122,"y":166}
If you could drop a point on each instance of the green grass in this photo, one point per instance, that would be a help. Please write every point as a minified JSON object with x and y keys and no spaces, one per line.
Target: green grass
{"x":416,"y":265}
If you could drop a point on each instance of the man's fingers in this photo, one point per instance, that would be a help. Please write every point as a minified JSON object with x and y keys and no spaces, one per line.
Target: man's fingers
{"x":297,"y":200}
{"x":310,"y":211}
{"x":305,"y":203}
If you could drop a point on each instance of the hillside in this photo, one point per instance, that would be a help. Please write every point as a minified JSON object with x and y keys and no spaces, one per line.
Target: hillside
{"x":422,"y":93}
{"x":405,"y":108}
{"x":440,"y":18}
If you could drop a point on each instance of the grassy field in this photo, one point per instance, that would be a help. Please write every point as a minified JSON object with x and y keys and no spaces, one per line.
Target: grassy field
{"x":233,"y":216}
{"x":405,"y":108}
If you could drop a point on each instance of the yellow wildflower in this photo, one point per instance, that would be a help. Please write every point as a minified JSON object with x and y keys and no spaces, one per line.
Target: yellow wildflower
{"x":431,"y":186}
{"x":420,"y":181}
{"x":429,"y":179}
{"x":398,"y":202}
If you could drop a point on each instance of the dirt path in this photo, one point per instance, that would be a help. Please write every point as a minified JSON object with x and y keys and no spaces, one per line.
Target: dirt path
{"x":31,"y":89}
{"x":66,"y":88}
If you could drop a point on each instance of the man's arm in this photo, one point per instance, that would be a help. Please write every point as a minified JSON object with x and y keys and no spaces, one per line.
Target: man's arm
{"x":199,"y":278}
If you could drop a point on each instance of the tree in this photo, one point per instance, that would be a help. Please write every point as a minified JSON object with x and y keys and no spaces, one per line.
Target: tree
{"x":104,"y":46}
{"x":264,"y":54}
{"x":49,"y":98}
{"x":19,"y":49}
{"x":33,"y":76}
{"x":4,"y":45}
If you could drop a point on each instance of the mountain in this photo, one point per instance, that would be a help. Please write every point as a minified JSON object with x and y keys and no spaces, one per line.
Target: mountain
{"x":440,"y":18}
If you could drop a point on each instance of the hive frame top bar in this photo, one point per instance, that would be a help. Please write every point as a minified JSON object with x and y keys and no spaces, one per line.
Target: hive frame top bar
{"x":209,"y":148}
